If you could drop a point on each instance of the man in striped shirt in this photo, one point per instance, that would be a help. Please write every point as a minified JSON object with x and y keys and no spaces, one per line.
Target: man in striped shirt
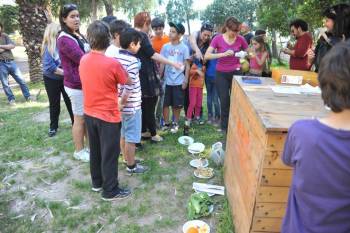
{"x":130,"y":99}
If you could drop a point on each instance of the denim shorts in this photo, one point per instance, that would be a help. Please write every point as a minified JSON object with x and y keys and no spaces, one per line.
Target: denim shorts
{"x":77,"y":99}
{"x":131,"y":127}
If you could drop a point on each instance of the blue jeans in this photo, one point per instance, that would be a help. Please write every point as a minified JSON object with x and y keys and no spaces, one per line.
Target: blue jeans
{"x":213,"y":104}
{"x":10,"y":68}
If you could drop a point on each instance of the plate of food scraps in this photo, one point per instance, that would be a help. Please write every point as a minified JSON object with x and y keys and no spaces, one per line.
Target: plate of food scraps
{"x":204,"y":172}
{"x":196,"y":226}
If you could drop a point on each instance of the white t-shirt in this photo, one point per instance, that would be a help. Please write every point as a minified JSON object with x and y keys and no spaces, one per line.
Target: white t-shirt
{"x":112,"y":51}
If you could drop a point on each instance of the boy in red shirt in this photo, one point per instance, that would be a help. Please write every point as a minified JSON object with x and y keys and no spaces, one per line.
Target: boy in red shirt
{"x":100,"y":76}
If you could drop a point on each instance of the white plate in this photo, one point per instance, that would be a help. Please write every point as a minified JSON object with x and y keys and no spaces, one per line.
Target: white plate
{"x":195,"y":223}
{"x":198,"y":163}
{"x":209,"y":194}
{"x":202,"y":177}
{"x":185,"y":140}
{"x":196,"y":148}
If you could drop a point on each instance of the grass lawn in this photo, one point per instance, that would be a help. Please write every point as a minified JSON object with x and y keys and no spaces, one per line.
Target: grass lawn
{"x":43,"y":189}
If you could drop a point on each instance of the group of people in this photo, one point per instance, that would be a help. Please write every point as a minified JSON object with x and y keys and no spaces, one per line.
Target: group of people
{"x":119,"y":82}
{"x":119,"y":79}
{"x":303,"y":54}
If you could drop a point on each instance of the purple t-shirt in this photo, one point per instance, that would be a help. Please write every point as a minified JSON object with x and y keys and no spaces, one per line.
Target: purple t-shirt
{"x":228,"y":64}
{"x":319,"y":197}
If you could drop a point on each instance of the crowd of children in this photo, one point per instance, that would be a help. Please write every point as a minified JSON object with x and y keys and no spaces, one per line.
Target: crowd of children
{"x":113,"y":79}
{"x":112,"y":91}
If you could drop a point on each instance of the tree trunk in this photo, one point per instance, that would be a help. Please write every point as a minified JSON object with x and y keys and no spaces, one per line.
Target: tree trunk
{"x":33,"y":18}
{"x":274,"y":44}
{"x":109,"y":7}
{"x":94,"y":10}
{"x":188,"y":24}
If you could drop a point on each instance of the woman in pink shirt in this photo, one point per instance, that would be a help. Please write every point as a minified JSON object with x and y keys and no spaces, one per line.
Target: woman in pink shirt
{"x":226,"y":45}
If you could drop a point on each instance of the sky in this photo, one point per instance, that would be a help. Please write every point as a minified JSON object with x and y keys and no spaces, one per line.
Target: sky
{"x":197,"y":5}
{"x":7,"y":2}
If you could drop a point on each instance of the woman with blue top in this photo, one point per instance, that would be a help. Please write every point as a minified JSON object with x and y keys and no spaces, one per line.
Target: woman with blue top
{"x":213,"y":103}
{"x":53,"y":77}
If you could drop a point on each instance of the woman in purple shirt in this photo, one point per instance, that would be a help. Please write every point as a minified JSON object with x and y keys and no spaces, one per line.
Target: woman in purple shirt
{"x":71,"y":47}
{"x":319,"y":151}
{"x":226,"y":45}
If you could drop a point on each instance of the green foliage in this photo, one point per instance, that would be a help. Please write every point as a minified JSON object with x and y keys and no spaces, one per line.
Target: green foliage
{"x":84,"y":7}
{"x":9,"y":18}
{"x":219,"y":10}
{"x":277,"y":14}
{"x":180,"y":11}
{"x":311,"y":11}
{"x":225,"y":220}
{"x":131,"y":7}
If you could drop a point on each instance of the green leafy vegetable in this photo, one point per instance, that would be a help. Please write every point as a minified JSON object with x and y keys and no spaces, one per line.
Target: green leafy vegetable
{"x":198,"y":205}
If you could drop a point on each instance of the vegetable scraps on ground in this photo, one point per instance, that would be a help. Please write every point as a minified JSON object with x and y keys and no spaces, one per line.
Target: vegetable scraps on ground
{"x":198,"y":205}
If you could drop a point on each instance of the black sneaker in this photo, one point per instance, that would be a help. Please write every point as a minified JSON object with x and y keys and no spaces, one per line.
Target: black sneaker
{"x":121,"y":194}
{"x":52,"y":132}
{"x":29,"y":99}
{"x":139,"y":169}
{"x":166,"y":127}
{"x":138,"y":161}
{"x":138,"y":146}
{"x":186,"y":130}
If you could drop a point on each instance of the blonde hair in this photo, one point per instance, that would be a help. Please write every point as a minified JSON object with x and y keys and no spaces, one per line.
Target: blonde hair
{"x":50,"y":36}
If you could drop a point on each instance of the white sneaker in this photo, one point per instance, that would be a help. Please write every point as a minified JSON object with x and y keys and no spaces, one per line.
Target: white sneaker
{"x":82,"y":155}
{"x":174,"y":128}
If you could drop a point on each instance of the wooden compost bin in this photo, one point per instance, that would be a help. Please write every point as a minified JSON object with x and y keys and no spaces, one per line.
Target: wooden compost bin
{"x":256,"y":180}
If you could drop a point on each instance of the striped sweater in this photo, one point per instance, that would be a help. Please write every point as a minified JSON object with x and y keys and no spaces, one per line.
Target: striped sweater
{"x":132,"y":66}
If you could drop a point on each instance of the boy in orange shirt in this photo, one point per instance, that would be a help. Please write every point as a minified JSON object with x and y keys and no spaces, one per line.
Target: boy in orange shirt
{"x":160,"y":38}
{"x":100,"y":76}
{"x":195,"y":91}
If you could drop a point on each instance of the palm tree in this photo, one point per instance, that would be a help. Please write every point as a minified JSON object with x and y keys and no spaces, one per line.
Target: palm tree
{"x":33,"y":18}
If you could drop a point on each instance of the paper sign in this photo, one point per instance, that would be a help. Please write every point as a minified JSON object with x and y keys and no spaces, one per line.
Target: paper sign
{"x":292,"y":79}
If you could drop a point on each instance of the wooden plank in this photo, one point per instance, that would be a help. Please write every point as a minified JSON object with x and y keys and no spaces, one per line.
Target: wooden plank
{"x":272,"y":194}
{"x":232,"y":171}
{"x":276,"y":177}
{"x":275,"y":141}
{"x":273,"y":160}
{"x":270,"y":210}
{"x":267,"y":224}
{"x":240,"y":217}
{"x":279,"y":113}
{"x":245,"y":150}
